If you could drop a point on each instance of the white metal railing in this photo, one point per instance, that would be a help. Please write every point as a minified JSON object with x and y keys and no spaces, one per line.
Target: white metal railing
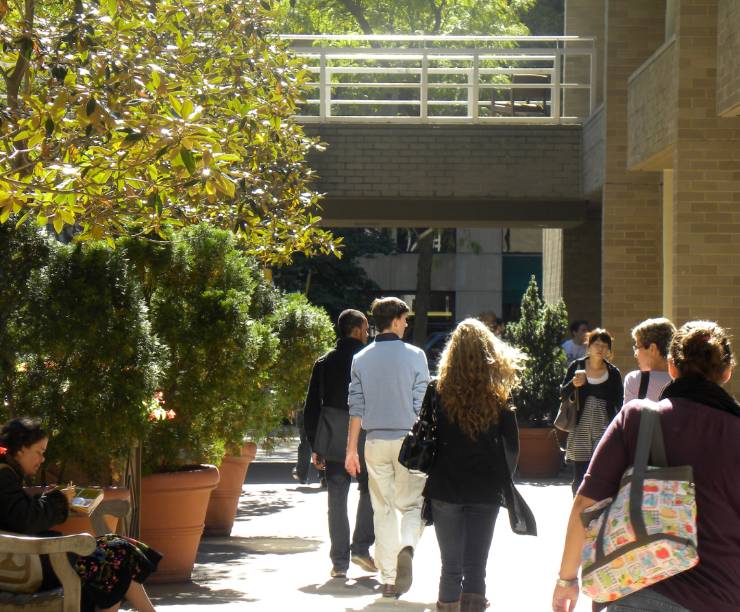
{"x":443,"y":79}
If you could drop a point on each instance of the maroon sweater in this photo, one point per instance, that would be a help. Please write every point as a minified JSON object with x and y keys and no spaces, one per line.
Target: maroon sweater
{"x":709,"y":440}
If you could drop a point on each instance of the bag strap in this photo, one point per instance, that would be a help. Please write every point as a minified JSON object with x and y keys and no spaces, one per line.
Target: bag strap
{"x":322,"y":376}
{"x":649,"y":443}
{"x":428,"y":412}
{"x":644,"y":382}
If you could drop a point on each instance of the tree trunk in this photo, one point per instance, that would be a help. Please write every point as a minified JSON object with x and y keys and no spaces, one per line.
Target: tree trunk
{"x":424,"y":248}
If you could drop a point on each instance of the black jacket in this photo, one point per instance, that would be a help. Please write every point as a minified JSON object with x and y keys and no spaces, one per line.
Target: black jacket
{"x":615,"y":395}
{"x":479,"y":471}
{"x":22,"y":513}
{"x":335,"y":368}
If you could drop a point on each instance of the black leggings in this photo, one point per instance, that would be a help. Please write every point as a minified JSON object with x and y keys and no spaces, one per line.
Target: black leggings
{"x":579,"y":471}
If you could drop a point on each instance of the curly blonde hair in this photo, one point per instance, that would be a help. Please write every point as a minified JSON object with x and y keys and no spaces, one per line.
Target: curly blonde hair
{"x":477,"y":373}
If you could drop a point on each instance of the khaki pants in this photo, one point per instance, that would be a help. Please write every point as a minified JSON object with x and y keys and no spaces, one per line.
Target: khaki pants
{"x":392,"y":489}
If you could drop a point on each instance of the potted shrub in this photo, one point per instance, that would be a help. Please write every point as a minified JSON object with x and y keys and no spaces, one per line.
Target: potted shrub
{"x":22,"y":251}
{"x":201,"y":288}
{"x":87,"y":361}
{"x":538,"y":333}
{"x":302,"y":333}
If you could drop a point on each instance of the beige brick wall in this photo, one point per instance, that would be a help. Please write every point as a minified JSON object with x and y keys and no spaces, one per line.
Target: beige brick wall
{"x":593,"y":153}
{"x":706,"y":215}
{"x":583,"y":18}
{"x":582,"y":268}
{"x":631,"y":235}
{"x":728,"y":58}
{"x":652,"y":93}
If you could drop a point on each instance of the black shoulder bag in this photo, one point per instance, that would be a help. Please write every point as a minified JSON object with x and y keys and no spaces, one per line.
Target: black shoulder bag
{"x":332,"y":429}
{"x":419,"y":447}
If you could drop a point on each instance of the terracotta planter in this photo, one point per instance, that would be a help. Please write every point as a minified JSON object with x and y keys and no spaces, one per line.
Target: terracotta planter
{"x":77,"y":523}
{"x":539,"y":454}
{"x":173,"y":509}
{"x":225,"y":497}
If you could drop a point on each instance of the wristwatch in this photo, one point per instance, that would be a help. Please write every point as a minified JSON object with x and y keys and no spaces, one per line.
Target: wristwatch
{"x":566,"y":583}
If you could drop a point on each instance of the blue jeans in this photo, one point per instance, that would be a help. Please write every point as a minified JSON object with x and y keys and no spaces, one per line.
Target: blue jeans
{"x":338,"y":482}
{"x":464,"y":533}
{"x":646,"y":600}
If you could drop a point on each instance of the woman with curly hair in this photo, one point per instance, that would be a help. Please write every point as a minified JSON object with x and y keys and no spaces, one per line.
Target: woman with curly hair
{"x":470,"y":480}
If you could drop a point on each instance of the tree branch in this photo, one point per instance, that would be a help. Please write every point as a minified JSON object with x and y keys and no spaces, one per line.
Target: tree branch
{"x":438,"y":10}
{"x":356,"y":11}
{"x":15,"y":79}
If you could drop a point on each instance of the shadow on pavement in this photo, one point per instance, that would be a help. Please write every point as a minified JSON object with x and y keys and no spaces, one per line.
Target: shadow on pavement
{"x":544,"y":482}
{"x":343,"y":587}
{"x":261,"y":504}
{"x":270,"y":473}
{"x":225,"y":550}
{"x":387,"y":605}
{"x":190,"y":593}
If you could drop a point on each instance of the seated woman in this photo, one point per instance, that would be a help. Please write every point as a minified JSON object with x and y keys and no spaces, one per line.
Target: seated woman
{"x":119,"y":565}
{"x":701,"y":428}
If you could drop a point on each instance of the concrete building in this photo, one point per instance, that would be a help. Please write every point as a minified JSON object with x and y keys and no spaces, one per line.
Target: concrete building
{"x":660,"y":171}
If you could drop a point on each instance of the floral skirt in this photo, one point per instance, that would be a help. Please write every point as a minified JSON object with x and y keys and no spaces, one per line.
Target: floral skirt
{"x":107,"y":573}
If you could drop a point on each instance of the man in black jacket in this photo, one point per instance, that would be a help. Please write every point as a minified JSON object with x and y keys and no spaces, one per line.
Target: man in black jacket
{"x":328,"y":387}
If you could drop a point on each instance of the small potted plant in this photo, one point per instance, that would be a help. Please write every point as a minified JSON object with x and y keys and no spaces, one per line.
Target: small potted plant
{"x":537,"y":334}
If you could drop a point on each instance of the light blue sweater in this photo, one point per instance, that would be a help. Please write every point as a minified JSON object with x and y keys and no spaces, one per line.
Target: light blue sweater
{"x":389,"y":379}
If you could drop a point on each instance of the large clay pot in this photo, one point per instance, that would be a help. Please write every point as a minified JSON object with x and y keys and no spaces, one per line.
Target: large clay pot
{"x":225,"y":497}
{"x":80,"y":523}
{"x":539,"y":453}
{"x":173,"y":510}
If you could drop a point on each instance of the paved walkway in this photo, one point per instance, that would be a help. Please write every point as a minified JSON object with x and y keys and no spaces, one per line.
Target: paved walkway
{"x":278,"y":555}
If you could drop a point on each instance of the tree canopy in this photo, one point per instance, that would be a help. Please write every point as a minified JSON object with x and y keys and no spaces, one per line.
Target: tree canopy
{"x":125,"y":116}
{"x":408,"y":17}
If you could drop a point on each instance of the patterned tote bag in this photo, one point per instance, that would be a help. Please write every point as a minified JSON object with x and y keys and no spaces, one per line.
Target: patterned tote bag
{"x":646,"y":534}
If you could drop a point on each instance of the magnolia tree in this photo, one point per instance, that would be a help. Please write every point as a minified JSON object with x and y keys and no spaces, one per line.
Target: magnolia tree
{"x":124,"y":116}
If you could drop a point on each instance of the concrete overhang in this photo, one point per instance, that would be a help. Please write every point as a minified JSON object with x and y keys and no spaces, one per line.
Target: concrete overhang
{"x":451,"y":212}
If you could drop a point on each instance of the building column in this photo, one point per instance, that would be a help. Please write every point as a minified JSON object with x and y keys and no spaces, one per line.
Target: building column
{"x":706,"y":183}
{"x":632,"y":275}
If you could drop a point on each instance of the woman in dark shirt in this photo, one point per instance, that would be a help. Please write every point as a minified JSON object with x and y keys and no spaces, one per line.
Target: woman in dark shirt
{"x":598,"y":385}
{"x":113,"y":572}
{"x":467,"y":484}
{"x":701,"y":428}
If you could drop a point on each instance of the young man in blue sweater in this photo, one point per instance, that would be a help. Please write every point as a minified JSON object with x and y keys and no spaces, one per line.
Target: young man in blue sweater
{"x":387,"y":386}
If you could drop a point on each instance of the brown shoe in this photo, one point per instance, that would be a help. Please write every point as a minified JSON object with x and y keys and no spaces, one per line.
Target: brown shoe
{"x":366,"y":562}
{"x":449,"y":606}
{"x":472,"y":602}
{"x":404,"y":573}
{"x":389,"y":590}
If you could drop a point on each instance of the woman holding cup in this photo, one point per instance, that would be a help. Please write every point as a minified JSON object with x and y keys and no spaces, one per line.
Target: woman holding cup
{"x":597,"y":385}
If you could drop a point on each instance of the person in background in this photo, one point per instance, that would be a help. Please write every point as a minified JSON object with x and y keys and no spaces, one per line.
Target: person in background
{"x":493,"y":322}
{"x":330,"y":376}
{"x":389,"y":379}
{"x":701,"y":428}
{"x":119,"y":565}
{"x":477,"y":373}
{"x":598,"y":385}
{"x":652,"y":339}
{"x":576,"y":347}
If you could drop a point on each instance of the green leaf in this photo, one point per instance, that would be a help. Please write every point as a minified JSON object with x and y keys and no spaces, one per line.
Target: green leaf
{"x":188,"y":160}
